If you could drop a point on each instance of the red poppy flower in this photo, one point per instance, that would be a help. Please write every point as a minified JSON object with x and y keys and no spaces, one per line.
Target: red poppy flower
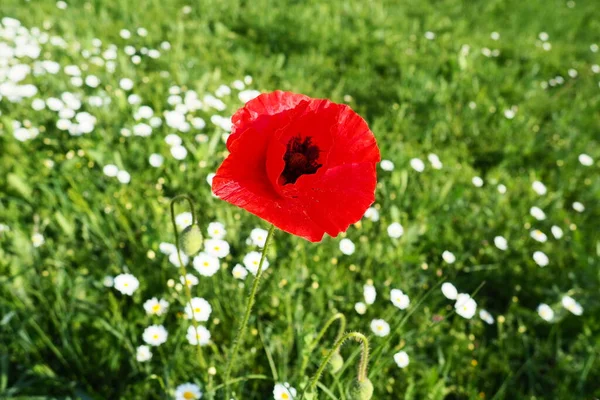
{"x":306,"y":165}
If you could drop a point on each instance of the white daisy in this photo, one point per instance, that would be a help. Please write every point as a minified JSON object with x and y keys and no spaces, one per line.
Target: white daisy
{"x":155,"y":335}
{"x":402,"y":360}
{"x":216,"y":230}
{"x":545,"y":312}
{"x":399,"y":299}
{"x":239,"y":272}
{"x":190,"y":280}
{"x":155,"y":306}
{"x":557,"y":232}
{"x":37,"y":239}
{"x":577,"y":206}
{"x":369,"y":293}
{"x":386,"y":165}
{"x":110,"y":170}
{"x":283,"y":391}
{"x":184,"y":219}
{"x":258,"y":237}
{"x":541,"y":259}
{"x":449,"y":291}
{"x":380,"y":327}
{"x":201,"y":309}
{"x":126,"y":284}
{"x":448,"y":257}
{"x":586,"y":160}
{"x":501,"y":189}
{"x":486,"y":317}
{"x":252,"y":261}
{"x":217,"y":247}
{"x":360,"y":307}
{"x":395,"y":230}
{"x":188,"y":391}
{"x":201,"y":335}
{"x":537,"y":213}
{"x":465,"y":306}
{"x":347,"y":247}
{"x":435,"y":161}
{"x":167,"y":248}
{"x":372,"y":214}
{"x":477,"y":181}
{"x":206,"y":264}
{"x":143,"y":353}
{"x":417,"y":164}
{"x":538,"y":235}
{"x":539,"y":188}
{"x":501,"y":243}
{"x":156,"y":160}
{"x":175,"y":260}
{"x":573,"y":306}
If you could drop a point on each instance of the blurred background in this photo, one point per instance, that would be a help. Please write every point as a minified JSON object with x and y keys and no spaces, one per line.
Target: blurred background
{"x":486,"y":114}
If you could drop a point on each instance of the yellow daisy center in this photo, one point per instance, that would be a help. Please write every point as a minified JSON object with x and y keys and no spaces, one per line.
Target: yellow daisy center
{"x":189,"y":395}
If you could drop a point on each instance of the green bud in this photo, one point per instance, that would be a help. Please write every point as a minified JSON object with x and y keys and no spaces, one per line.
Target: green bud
{"x":336,"y":363}
{"x":191,"y":240}
{"x":361,"y":390}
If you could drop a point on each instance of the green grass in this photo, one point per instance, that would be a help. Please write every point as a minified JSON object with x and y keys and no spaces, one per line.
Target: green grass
{"x":63,"y":335}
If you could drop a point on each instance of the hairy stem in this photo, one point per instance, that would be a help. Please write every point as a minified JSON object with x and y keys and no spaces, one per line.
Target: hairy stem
{"x":244,"y":325}
{"x":313,"y":344}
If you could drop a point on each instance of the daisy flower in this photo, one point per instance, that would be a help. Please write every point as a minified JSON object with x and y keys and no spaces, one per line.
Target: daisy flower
{"x":190,"y":280}
{"x":538,"y":236}
{"x":402,"y":360}
{"x":557,"y":232}
{"x":465,"y":306}
{"x":258,"y":237}
{"x":143,"y":353}
{"x":541,"y":259}
{"x":239,"y":272}
{"x":201,"y":335}
{"x":155,"y":306}
{"x":537,"y":213}
{"x":283,"y":391}
{"x":372,"y":214}
{"x":477,"y":181}
{"x":380,"y":327}
{"x":395,"y":230}
{"x":184,"y":219}
{"x":417,"y":164}
{"x":360,"y":308}
{"x":539,"y":188}
{"x":586,"y":160}
{"x":175,"y":260}
{"x":435,"y":161}
{"x":155,"y":335}
{"x":201,"y":309}
{"x":386,"y":165}
{"x":570,"y":304}
{"x":216,"y":230}
{"x":545,"y":312}
{"x":216,"y":247}
{"x":501,"y":243}
{"x":347,"y":247}
{"x":448,"y":257}
{"x":188,"y":391}
{"x":126,"y":284}
{"x":449,"y":291}
{"x":37,"y":239}
{"x":486,"y":317}
{"x":399,"y":299}
{"x":369,"y":293}
{"x":577,"y":206}
{"x":206,"y":264}
{"x":252,"y":260}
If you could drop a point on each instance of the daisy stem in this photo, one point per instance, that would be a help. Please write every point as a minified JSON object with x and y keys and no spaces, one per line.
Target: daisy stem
{"x":313,"y":344}
{"x":244,"y":325}
{"x":183,"y":270}
{"x":362,"y":366}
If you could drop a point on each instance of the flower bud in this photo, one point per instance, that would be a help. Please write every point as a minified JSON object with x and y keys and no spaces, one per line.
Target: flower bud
{"x":191,"y":240}
{"x":336,"y":363}
{"x":361,"y":390}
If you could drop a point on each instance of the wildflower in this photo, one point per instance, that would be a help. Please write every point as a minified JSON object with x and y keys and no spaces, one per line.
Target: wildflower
{"x":556,"y":232}
{"x":570,"y":304}
{"x":184,"y":219}
{"x":294,"y":160}
{"x":577,"y":206}
{"x":110,"y":170}
{"x":369,"y":293}
{"x":258,"y":237}
{"x":199,"y":335}
{"x":126,"y":84}
{"x":395,"y":230}
{"x":37,"y":239}
{"x":239,"y":272}
{"x":143,"y":353}
{"x":179,"y":152}
{"x":448,"y":257}
{"x":108,"y":281}
{"x":190,"y":280}
{"x":540,"y":259}
{"x":283,"y":391}
{"x":155,"y":306}
{"x":123,"y":177}
{"x":501,"y":243}
{"x":486,"y":317}
{"x":465,"y":306}
{"x":175,"y":260}
{"x":417,"y":164}
{"x":435,"y":161}
{"x":477,"y":181}
{"x":537,"y":213}
{"x":216,"y":230}
{"x":247,"y":95}
{"x":586,"y":160}
{"x":402,"y":360}
{"x":449,"y":291}
{"x":538,"y":235}
{"x":539,"y":188}
{"x":167,"y":248}
{"x":380,"y":327}
{"x":360,"y":308}
{"x":206,"y":264}
{"x":155,"y":335}
{"x":386,"y":165}
{"x":156,"y":160}
{"x":217,"y":247}
{"x":545,"y":312}
{"x":201,"y":309}
{"x":347,"y":247}
{"x":252,"y":260}
{"x":126,"y":284}
{"x":399,"y":299}
{"x":501,"y":189}
{"x":188,"y":391}
{"x":372,"y":214}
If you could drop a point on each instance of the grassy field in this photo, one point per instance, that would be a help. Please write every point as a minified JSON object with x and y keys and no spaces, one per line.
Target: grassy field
{"x":505,"y":93}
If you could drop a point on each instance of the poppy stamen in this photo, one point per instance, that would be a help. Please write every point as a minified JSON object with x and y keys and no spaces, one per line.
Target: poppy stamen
{"x":300,"y":158}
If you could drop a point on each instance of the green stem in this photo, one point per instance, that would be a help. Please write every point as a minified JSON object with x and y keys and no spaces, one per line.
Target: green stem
{"x":244,"y":325}
{"x":362,"y":366}
{"x":183,"y":270}
{"x":313,"y":344}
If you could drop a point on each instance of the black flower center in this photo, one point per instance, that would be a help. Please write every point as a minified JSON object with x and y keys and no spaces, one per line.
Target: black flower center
{"x":300,"y":158}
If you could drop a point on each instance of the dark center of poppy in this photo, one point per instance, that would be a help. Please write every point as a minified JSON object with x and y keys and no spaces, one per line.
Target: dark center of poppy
{"x":300,"y":158}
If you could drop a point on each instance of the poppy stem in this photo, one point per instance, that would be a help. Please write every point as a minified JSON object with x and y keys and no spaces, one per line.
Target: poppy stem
{"x":313,"y":344}
{"x":244,"y":325}
{"x":362,"y":365}
{"x":183,"y":270}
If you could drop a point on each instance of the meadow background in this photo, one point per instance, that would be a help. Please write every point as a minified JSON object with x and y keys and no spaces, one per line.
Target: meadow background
{"x":507,"y":91}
